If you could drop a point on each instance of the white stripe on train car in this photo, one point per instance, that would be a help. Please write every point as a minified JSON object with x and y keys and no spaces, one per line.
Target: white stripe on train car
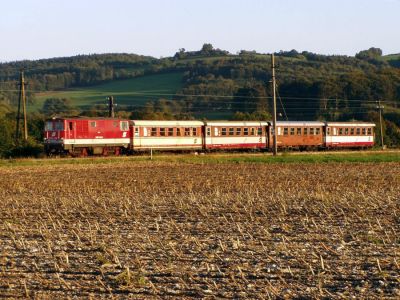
{"x":96,"y":141}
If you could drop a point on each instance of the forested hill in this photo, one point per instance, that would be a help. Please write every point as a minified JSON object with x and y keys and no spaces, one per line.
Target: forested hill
{"x":211,"y":83}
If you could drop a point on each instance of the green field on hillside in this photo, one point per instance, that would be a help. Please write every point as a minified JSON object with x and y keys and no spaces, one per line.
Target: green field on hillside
{"x":126,"y":92}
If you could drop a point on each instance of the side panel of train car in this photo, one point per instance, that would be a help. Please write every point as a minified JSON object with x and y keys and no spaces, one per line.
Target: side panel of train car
{"x":97,"y":136}
{"x":301,"y":135}
{"x":236,"y":135}
{"x":349,"y":135}
{"x":167,"y":135}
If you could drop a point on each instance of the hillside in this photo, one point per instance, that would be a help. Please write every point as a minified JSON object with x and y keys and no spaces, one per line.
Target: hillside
{"x":212,"y":84}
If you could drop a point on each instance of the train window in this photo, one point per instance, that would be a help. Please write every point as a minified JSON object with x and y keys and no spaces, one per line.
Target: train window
{"x":317,"y":131}
{"x":48,"y":126}
{"x":124,"y":126}
{"x":364,"y":131}
{"x":208,"y":131}
{"x":252,"y":131}
{"x":93,"y":124}
{"x":231,"y":131}
{"x":311,"y":131}
{"x":340,"y":131}
{"x":285,"y":131}
{"x":187,"y":131}
{"x":358,"y":131}
{"x":245,"y":131}
{"x":351,"y":131}
{"x":194,"y":131}
{"x":223,"y":131}
{"x":153,"y":131}
{"x":259,"y":131}
{"x":298,"y":131}
{"x":170,"y":131}
{"x":305,"y":131}
{"x":162,"y":131}
{"x":137,"y":131}
{"x":369,"y":131}
{"x":346,"y":131}
{"x":328,"y":131}
{"x":291,"y":131}
{"x":239,"y":131}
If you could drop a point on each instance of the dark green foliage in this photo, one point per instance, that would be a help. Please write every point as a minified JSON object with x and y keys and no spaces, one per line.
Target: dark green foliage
{"x":58,"y":107}
{"x":29,"y":148}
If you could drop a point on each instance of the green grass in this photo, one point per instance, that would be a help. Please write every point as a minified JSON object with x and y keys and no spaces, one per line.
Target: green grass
{"x":126,"y":92}
{"x":391,"y":57}
{"x":216,"y":158}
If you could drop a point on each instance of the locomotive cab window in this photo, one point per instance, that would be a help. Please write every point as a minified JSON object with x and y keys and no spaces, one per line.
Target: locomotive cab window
{"x":124,"y":126}
{"x":93,"y":124}
{"x":48,"y":126}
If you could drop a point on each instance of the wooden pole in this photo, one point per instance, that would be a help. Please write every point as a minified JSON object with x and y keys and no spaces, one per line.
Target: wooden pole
{"x":274,"y":131}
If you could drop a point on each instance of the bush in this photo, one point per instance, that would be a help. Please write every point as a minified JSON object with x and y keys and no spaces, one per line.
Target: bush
{"x":29,"y":148}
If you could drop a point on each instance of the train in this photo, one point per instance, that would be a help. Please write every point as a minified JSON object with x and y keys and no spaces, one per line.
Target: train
{"x":104,"y":136}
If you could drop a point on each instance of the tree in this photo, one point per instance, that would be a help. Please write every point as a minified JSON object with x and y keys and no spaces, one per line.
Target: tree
{"x":371,"y":53}
{"x":57,"y":106}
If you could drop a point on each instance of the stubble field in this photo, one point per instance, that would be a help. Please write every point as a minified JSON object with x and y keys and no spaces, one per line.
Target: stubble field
{"x":167,"y":229}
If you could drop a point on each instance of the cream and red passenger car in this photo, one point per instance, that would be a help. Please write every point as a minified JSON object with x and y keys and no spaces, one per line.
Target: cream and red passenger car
{"x":166,"y":135}
{"x":349,"y":135}
{"x":236,"y":135}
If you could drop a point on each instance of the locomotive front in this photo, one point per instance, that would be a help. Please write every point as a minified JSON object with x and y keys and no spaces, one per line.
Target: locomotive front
{"x":54,"y":135}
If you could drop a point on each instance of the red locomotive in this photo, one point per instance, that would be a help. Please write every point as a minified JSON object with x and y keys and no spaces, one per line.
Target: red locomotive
{"x":87,"y":136}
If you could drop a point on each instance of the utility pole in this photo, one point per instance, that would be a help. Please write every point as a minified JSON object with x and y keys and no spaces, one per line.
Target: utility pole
{"x":380,"y":107}
{"x":22,"y":98}
{"x":111,"y":106}
{"x":274,"y":131}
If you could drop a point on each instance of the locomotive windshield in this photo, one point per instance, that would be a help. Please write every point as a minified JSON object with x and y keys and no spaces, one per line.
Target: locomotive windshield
{"x":54,"y":126}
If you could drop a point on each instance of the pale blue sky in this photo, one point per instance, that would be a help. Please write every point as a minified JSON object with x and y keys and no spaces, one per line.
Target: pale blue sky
{"x":33,"y":29}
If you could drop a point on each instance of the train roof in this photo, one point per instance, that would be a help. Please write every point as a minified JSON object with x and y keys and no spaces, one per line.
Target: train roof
{"x":152,"y":123}
{"x":236,"y":123}
{"x":351,"y":124}
{"x":85,"y":118}
{"x":299,"y":123}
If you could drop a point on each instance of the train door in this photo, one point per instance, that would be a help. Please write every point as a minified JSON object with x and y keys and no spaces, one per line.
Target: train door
{"x":207,"y":137}
{"x":71,"y":131}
